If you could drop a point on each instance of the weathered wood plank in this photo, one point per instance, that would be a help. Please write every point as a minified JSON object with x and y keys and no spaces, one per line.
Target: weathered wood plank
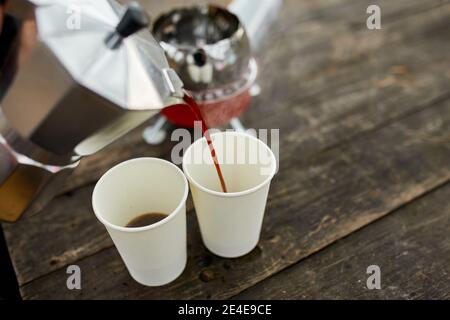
{"x":326,"y":83}
{"x":32,"y":262}
{"x":411,"y":247}
{"x":336,"y":192}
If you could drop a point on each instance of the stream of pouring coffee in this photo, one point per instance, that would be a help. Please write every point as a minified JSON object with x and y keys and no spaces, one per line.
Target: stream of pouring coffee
{"x":190,"y":101}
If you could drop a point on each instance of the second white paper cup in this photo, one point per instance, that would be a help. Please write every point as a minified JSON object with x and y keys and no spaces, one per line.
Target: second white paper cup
{"x":230,"y":223}
{"x":155,"y":254}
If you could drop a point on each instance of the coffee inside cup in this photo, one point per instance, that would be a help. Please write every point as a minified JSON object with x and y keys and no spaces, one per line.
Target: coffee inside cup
{"x":146,"y":219}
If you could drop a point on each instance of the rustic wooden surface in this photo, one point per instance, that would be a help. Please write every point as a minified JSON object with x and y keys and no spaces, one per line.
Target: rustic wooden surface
{"x":364,"y":120}
{"x":411,"y":246}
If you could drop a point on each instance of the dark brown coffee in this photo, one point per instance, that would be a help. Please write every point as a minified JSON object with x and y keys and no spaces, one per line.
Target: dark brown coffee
{"x":146,"y":219}
{"x":189,"y":100}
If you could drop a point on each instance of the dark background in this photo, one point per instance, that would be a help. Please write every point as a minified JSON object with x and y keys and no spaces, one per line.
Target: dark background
{"x":9,"y":288}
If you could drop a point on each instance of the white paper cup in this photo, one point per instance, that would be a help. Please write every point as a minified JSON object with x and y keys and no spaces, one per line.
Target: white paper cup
{"x":155,"y":254}
{"x":230,"y":223}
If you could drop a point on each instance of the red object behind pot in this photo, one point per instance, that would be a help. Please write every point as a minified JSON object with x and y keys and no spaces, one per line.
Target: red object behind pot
{"x":218,"y":106}
{"x":216,"y":112}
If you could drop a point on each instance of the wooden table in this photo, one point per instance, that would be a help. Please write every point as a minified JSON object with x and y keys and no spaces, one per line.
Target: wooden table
{"x":364,"y":119}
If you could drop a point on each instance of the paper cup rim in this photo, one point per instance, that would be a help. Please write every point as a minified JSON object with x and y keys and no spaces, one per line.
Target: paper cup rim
{"x":239,"y":193}
{"x":169,"y":217}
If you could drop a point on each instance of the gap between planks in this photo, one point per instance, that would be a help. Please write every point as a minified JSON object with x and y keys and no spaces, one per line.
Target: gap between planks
{"x":342,"y":230}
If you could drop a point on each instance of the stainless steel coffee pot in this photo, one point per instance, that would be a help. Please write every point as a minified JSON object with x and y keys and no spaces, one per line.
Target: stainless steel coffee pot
{"x":75,"y":76}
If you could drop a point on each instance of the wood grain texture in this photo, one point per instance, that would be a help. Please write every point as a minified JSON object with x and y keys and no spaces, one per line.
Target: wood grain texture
{"x":343,"y":111}
{"x":335,"y":193}
{"x":328,"y":77}
{"x":411,"y":247}
{"x":364,"y":129}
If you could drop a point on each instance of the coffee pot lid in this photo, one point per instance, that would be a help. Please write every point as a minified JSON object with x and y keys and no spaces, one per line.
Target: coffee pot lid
{"x":108,"y":49}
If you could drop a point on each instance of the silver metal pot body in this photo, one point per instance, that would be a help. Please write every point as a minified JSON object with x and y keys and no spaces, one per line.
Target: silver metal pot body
{"x":206,"y":45}
{"x":76,"y":76}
